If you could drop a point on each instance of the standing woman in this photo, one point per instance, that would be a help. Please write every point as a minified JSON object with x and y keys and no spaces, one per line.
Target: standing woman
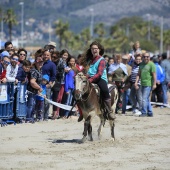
{"x":69,"y":83}
{"x":22,"y":55}
{"x":118,"y":73}
{"x":34,"y":80}
{"x":97,"y":73}
{"x":60,"y":76}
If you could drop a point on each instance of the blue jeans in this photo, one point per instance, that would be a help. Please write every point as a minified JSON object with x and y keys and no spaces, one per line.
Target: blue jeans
{"x":126,"y":98}
{"x":31,"y":105}
{"x":165,"y":91}
{"x":136,"y":97}
{"x":146,"y":105}
{"x":68,"y":102}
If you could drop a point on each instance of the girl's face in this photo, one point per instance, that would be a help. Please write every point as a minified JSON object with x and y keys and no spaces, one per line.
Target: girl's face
{"x":95,"y":50}
{"x":65,"y":56}
{"x":72,"y":62}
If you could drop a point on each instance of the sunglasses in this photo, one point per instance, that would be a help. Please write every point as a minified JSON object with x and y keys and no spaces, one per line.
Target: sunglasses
{"x":22,"y":54}
{"x":6,"y":62}
{"x":15,"y":59}
{"x":146,"y":56}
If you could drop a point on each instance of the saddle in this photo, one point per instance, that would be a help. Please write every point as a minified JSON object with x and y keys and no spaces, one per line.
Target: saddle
{"x":110,"y":87}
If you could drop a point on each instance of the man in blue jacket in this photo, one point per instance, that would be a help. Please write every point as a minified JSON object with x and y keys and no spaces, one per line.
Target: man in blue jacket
{"x":160,"y":77}
{"x":49,"y":68}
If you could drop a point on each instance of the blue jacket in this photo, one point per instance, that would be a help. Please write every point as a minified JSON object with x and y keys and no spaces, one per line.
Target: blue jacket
{"x":160,"y":75}
{"x":69,"y":80}
{"x":21,"y":74}
{"x":49,"y":68}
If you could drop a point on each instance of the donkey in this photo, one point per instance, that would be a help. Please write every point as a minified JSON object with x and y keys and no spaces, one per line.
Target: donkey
{"x":90,"y":103}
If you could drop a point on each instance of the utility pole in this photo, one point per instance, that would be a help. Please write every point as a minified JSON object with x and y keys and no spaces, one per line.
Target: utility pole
{"x":149,"y":28}
{"x":161,"y":35}
{"x":2,"y":26}
{"x":49,"y":30}
{"x":22,"y":22}
{"x":92,"y":22}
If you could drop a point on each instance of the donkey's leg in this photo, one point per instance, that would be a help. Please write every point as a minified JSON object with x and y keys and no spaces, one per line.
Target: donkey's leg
{"x":112,"y":126}
{"x":86,"y":126}
{"x":102,"y":122}
{"x":90,"y":131}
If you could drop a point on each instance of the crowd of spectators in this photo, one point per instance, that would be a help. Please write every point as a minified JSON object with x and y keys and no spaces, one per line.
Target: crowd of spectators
{"x":137,"y":75}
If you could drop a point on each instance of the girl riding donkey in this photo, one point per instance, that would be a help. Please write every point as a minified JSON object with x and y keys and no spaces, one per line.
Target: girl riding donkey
{"x":97,"y":73}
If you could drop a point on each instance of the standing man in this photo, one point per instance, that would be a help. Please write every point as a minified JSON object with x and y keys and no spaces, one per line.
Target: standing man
{"x":147,"y":75}
{"x":49,"y":68}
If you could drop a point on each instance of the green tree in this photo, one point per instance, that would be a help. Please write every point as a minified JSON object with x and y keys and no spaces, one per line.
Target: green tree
{"x":85,"y":36}
{"x":60,"y":30}
{"x":100,"y":30}
{"x":10,"y":20}
{"x":166,"y":39}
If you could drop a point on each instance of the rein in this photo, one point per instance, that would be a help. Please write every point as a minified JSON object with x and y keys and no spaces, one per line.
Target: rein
{"x":87,"y":96}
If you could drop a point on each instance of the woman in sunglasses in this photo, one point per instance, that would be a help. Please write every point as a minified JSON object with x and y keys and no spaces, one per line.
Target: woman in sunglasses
{"x":22,"y":55}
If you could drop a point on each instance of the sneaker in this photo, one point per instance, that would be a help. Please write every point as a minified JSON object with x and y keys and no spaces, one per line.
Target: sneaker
{"x":137,"y":113}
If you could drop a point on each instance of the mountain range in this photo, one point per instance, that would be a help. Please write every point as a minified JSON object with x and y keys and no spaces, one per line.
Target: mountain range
{"x":80,"y":13}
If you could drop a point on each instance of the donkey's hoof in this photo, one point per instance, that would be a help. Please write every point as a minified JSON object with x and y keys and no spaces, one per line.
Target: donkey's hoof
{"x":112,"y":139}
{"x":82,"y":140}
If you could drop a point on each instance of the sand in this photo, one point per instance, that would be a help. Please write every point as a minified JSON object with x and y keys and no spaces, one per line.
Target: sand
{"x":141,"y":144}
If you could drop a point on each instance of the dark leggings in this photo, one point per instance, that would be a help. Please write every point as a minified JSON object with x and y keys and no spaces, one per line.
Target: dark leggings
{"x":103,"y":88}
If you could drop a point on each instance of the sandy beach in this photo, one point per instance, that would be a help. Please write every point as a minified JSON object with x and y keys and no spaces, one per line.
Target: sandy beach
{"x":141,"y":144}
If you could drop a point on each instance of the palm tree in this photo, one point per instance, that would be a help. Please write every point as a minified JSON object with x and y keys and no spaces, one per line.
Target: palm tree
{"x":100,"y":30}
{"x":61,"y":28}
{"x":10,"y":20}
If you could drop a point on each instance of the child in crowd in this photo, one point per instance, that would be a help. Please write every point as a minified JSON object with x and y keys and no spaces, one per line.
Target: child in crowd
{"x":23,"y":71}
{"x":39,"y":106}
{"x":69,"y":83}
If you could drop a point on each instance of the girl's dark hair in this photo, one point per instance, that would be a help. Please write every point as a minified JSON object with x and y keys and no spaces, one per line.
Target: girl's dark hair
{"x":22,"y":49}
{"x":87,"y":56}
{"x":64,"y":51}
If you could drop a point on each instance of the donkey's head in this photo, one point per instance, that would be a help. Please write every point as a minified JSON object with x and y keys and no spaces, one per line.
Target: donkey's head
{"x":81,"y":85}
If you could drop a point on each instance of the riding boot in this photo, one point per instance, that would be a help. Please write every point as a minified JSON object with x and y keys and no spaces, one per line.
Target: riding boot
{"x":109,"y":109}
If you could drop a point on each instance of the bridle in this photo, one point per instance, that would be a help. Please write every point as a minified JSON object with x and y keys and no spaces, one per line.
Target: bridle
{"x":84,"y":92}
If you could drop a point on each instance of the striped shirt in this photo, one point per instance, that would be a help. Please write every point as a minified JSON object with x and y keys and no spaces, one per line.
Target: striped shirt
{"x":134,"y":73}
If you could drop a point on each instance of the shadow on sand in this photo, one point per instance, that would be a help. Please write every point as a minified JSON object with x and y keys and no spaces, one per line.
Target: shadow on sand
{"x":66,"y":141}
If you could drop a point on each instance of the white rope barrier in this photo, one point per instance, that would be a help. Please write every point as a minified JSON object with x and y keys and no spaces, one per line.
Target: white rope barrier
{"x":153,"y":103}
{"x":62,"y":106}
